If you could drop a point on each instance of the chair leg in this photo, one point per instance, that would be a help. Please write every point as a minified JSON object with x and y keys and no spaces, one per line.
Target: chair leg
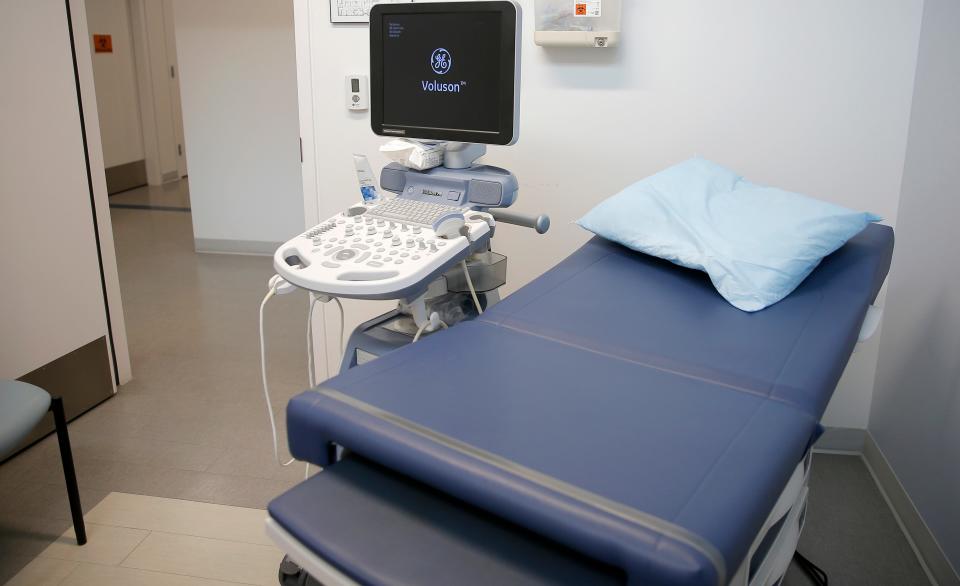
{"x":69,"y":473}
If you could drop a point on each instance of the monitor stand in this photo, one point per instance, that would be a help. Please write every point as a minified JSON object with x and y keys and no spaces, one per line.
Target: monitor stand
{"x":462,"y":155}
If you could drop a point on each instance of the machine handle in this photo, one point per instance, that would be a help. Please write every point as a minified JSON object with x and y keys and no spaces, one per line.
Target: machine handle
{"x":539,"y":223}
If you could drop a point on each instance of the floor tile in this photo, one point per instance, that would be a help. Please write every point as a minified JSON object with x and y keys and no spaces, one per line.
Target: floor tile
{"x":174,"y":194}
{"x":94,"y":575}
{"x":12,"y":564}
{"x":238,"y":491}
{"x":36,"y":500}
{"x":258,"y":462}
{"x":207,"y":558}
{"x":182,"y":517}
{"x":161,"y":453}
{"x":43,"y":572}
{"x":105,"y":545}
{"x":850,"y":531}
{"x":22,"y":535}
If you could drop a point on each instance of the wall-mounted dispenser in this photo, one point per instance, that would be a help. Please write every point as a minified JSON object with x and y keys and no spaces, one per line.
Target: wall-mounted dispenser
{"x":578,"y":23}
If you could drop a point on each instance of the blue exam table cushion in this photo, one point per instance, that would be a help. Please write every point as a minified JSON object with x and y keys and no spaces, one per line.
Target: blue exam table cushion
{"x":607,"y":298}
{"x":385,"y":528}
{"x":704,"y":462}
{"x":757,"y":243}
{"x":655,"y":440}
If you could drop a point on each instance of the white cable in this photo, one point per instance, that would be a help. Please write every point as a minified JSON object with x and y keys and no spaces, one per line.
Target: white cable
{"x":311,"y":363}
{"x":343,"y":319}
{"x":421,"y":329}
{"x":326,"y":353}
{"x":311,"y":367}
{"x":473,"y":292}
{"x":311,"y":359}
{"x":263,"y":373}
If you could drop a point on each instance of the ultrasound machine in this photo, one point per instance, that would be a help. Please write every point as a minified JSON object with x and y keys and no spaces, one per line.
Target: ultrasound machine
{"x":613,"y":421}
{"x":449,"y":74}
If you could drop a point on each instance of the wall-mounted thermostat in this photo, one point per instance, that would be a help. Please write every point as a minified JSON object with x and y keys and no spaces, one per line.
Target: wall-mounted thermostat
{"x":358,"y":92}
{"x":577,"y":23}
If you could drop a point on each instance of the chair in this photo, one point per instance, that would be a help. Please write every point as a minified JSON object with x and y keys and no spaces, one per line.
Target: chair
{"x":22,"y":406}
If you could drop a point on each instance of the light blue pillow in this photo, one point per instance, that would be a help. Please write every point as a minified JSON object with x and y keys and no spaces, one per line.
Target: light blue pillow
{"x":757,"y":243}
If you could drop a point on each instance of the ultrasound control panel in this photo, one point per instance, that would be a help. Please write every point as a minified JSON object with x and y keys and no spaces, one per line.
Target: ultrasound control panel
{"x":369,"y":252}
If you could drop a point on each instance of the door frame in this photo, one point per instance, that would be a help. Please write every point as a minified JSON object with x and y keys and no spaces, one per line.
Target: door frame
{"x":76,"y":12}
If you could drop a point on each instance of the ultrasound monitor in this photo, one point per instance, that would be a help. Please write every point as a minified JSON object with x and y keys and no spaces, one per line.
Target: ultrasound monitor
{"x":446,"y":71}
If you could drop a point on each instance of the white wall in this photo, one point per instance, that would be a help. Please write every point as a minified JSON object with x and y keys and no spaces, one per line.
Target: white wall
{"x":116,"y":81}
{"x":916,"y":410}
{"x":52,"y":301}
{"x":813,"y":96}
{"x":239,"y":92}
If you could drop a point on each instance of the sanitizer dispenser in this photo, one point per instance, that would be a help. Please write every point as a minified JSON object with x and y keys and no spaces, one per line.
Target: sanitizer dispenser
{"x":578,"y":23}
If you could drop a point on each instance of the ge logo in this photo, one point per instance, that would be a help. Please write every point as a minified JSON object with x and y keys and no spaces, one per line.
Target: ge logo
{"x":441,"y":61}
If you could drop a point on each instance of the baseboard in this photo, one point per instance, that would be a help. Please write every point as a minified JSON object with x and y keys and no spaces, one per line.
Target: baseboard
{"x":932,"y":557}
{"x":844,"y":440}
{"x":223,"y":246}
{"x":126,"y":176}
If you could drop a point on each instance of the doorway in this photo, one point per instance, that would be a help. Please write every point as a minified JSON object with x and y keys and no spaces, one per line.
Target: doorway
{"x":134,"y":55}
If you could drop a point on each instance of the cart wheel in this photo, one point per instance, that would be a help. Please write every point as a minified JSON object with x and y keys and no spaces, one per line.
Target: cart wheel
{"x":291,"y":574}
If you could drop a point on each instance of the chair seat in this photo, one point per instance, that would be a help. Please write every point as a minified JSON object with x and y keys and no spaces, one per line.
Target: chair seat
{"x":22,"y":406}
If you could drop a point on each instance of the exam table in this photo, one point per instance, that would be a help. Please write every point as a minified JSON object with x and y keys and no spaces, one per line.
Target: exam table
{"x":614,"y":421}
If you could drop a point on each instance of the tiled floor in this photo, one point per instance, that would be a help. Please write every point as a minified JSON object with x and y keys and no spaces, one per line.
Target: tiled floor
{"x":192,"y":424}
{"x":175,"y":195}
{"x":851,"y":532}
{"x":148,"y":541}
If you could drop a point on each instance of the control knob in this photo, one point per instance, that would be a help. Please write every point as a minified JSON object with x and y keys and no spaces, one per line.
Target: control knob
{"x":355,"y":210}
{"x":448,"y":225}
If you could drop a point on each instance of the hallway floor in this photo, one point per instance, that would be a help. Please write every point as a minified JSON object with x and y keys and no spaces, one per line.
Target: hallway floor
{"x":192,"y":424}
{"x":174,"y":196}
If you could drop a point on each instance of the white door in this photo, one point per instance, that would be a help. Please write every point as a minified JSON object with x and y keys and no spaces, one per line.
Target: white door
{"x":52,"y":297}
{"x":174,"y":87}
{"x":158,"y":83}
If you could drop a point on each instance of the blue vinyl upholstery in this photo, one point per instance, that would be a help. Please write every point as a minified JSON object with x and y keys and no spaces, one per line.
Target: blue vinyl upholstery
{"x":408,"y":533}
{"x":610,"y":299}
{"x":617,"y":406}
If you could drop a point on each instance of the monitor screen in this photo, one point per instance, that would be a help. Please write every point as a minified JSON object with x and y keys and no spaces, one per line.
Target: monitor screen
{"x":445,"y":71}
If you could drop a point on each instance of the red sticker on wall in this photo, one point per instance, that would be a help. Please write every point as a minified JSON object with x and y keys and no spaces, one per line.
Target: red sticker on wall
{"x":103,"y":43}
{"x":588,"y":8}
